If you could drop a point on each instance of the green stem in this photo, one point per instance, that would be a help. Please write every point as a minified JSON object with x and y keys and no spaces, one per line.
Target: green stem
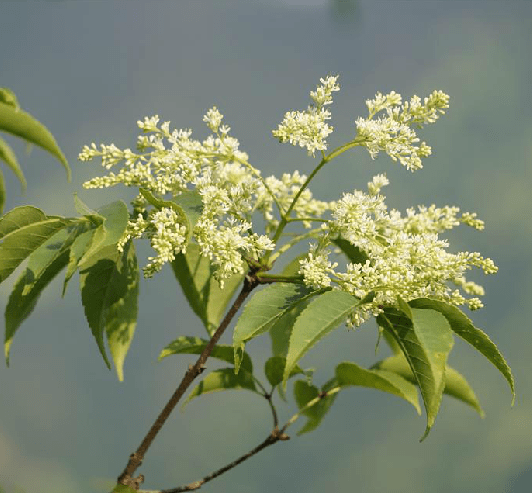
{"x":325,"y":159}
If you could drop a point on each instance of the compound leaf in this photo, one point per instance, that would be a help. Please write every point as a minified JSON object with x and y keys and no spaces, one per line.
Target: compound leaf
{"x":195,"y":345}
{"x":23,"y":125}
{"x":350,"y":374}
{"x":224,"y":379}
{"x":463,"y":327}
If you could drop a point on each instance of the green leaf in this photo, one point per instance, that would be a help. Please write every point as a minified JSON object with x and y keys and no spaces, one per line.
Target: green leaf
{"x":188,"y":207}
{"x":281,"y":329}
{"x":8,"y":156}
{"x":292,"y":268}
{"x":102,"y":286}
{"x":121,"y":316}
{"x":77,"y":250}
{"x":455,"y":383}
{"x":350,"y":374}
{"x":43,"y":265}
{"x":2,"y":192}
{"x":304,"y":392}
{"x":352,"y":252}
{"x":120,"y":488}
{"x":23,"y":125}
{"x":263,"y":309}
{"x":21,"y":242}
{"x":115,"y":219}
{"x":224,"y":379}
{"x":85,"y":210}
{"x":204,"y":294}
{"x":322,"y":315}
{"x":426,"y":340}
{"x":195,"y":345}
{"x":463,"y":326}
{"x":7,"y":96}
{"x":274,"y":370}
{"x":20,"y":217}
{"x":191,"y":203}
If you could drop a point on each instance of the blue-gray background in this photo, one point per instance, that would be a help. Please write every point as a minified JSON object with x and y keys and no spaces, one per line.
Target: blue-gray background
{"x":90,"y":69}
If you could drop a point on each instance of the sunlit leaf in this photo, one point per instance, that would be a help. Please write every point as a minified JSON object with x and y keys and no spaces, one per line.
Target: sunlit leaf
{"x":23,"y":125}
{"x":98,"y":292}
{"x":77,"y":250}
{"x":350,"y":374}
{"x":274,"y":370}
{"x":121,"y":312}
{"x":109,"y":292}
{"x":322,"y":315}
{"x":188,"y":206}
{"x":455,"y":383}
{"x":115,"y":219}
{"x":462,"y":326}
{"x":224,"y":379}
{"x":20,"y":217}
{"x":304,"y":392}
{"x":43,"y":265}
{"x":263,"y":309}
{"x":195,"y":345}
{"x":204,"y":294}
{"x":2,"y":192}
{"x":19,"y":243}
{"x":8,"y":156}
{"x":426,"y":340}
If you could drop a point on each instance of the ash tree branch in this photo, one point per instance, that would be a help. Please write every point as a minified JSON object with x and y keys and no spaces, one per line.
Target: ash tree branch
{"x":193,"y":371}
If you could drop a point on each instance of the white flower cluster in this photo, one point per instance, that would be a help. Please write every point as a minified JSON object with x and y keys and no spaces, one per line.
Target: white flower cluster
{"x":229,"y":191}
{"x":284,"y":191}
{"x":309,"y":128}
{"x":393,"y":134}
{"x":405,"y":256}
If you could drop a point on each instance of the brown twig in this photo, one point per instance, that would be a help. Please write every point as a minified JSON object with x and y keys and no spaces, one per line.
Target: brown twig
{"x":275,"y":436}
{"x":193,"y":371}
{"x":272,"y":438}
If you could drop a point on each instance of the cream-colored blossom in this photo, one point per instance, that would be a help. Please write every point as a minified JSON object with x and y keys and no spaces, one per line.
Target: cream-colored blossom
{"x":309,"y":128}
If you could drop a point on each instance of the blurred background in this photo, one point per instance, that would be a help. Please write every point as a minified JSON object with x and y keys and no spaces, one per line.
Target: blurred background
{"x":90,"y":69}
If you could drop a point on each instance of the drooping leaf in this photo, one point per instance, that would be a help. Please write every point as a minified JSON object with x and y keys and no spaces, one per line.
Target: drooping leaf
{"x":77,"y":250}
{"x":455,"y":383}
{"x":224,"y":379}
{"x":2,"y":192}
{"x":354,"y":254}
{"x":463,"y":326}
{"x":426,"y":340}
{"x":43,"y":265}
{"x":8,"y":156}
{"x":99,"y":291}
{"x":121,"y":314}
{"x":274,"y":370}
{"x":21,"y":242}
{"x":195,"y":345}
{"x":23,"y":125}
{"x":350,"y":374}
{"x":304,"y":392}
{"x":263,"y":309}
{"x":322,"y":315}
{"x":204,"y":294}
{"x":115,"y":219}
{"x":20,"y":217}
